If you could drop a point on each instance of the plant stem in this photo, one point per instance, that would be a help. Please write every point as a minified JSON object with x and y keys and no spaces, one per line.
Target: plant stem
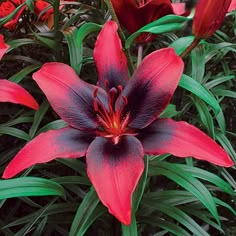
{"x":190,"y":47}
{"x":121,"y":34}
{"x":56,"y":6}
{"x":56,"y":11}
{"x":140,"y":54}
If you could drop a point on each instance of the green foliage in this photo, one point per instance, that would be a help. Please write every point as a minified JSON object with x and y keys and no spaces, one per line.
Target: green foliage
{"x":173,"y":196}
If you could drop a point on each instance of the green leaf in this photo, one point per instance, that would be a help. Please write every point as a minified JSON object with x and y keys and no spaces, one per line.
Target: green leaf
{"x":224,"y":93}
{"x":14,"y":132}
{"x":56,"y":124}
{"x":78,"y":180}
{"x":216,"y":81}
{"x":224,"y":204}
{"x":200,"y":91}
{"x":39,"y":115}
{"x":74,"y":38}
{"x":132,"y":229}
{"x":208,"y":176}
{"x":29,"y":186}
{"x":205,"y":116}
{"x":185,"y":179}
{"x":198,"y":57}
{"x":181,"y":44}
{"x":182,"y":218}
{"x":165,"y":24}
{"x":28,"y":227}
{"x":138,"y":193}
{"x":173,"y":228}
{"x":18,"y":77}
{"x":80,"y":223}
{"x":51,"y":43}
{"x":30,"y":4}
{"x":169,"y":112}
{"x":223,"y":140}
{"x":9,"y":17}
{"x":20,"y":42}
{"x":169,"y":197}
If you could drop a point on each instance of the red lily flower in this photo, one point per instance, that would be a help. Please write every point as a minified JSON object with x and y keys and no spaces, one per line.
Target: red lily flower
{"x":3,"y":46}
{"x":6,"y":8}
{"x":134,"y":16}
{"x":208,"y":17}
{"x":11,"y":92}
{"x":116,"y":122}
{"x":40,"y":5}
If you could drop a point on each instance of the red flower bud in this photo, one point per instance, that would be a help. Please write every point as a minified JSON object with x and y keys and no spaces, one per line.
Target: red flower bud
{"x":208,"y":17}
{"x":40,"y":6}
{"x":133,"y":15}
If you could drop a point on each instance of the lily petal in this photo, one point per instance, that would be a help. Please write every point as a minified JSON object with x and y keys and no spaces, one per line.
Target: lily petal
{"x":114,"y":171}
{"x":63,"y":143}
{"x":182,"y":139}
{"x":11,"y":92}
{"x":151,"y":87}
{"x":3,"y":46}
{"x":109,"y":58}
{"x":70,"y":97}
{"x":208,"y":17}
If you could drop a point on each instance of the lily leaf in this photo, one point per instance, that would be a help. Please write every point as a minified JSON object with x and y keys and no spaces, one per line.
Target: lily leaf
{"x":74,"y":38}
{"x":165,"y":24}
{"x":29,"y":186}
{"x":200,"y":91}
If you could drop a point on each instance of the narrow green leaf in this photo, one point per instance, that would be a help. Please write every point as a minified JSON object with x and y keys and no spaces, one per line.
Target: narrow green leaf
{"x":29,"y":186}
{"x":74,"y":38}
{"x":182,"y":218}
{"x":205,"y":116}
{"x":57,"y":124}
{"x":204,"y":216}
{"x":20,"y":42}
{"x":169,"y":112}
{"x":181,"y":44}
{"x":132,"y":229}
{"x":50,"y":43}
{"x":18,"y":77}
{"x":224,"y":204}
{"x":223,"y":140}
{"x":208,"y":176}
{"x":185,"y":179}
{"x":138,"y":193}
{"x":39,"y":114}
{"x":84,"y":211}
{"x":29,"y":226}
{"x":40,"y":228}
{"x":198,"y":56}
{"x":200,"y":91}
{"x":170,"y":227}
{"x":72,"y":180}
{"x":165,"y":24}
{"x":14,"y":132}
{"x":217,"y":81}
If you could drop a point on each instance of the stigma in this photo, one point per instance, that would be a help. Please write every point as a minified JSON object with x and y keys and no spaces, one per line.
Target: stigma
{"x":113,"y":122}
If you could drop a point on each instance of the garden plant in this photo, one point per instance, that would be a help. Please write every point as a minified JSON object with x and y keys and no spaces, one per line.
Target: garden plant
{"x":117,"y":117}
